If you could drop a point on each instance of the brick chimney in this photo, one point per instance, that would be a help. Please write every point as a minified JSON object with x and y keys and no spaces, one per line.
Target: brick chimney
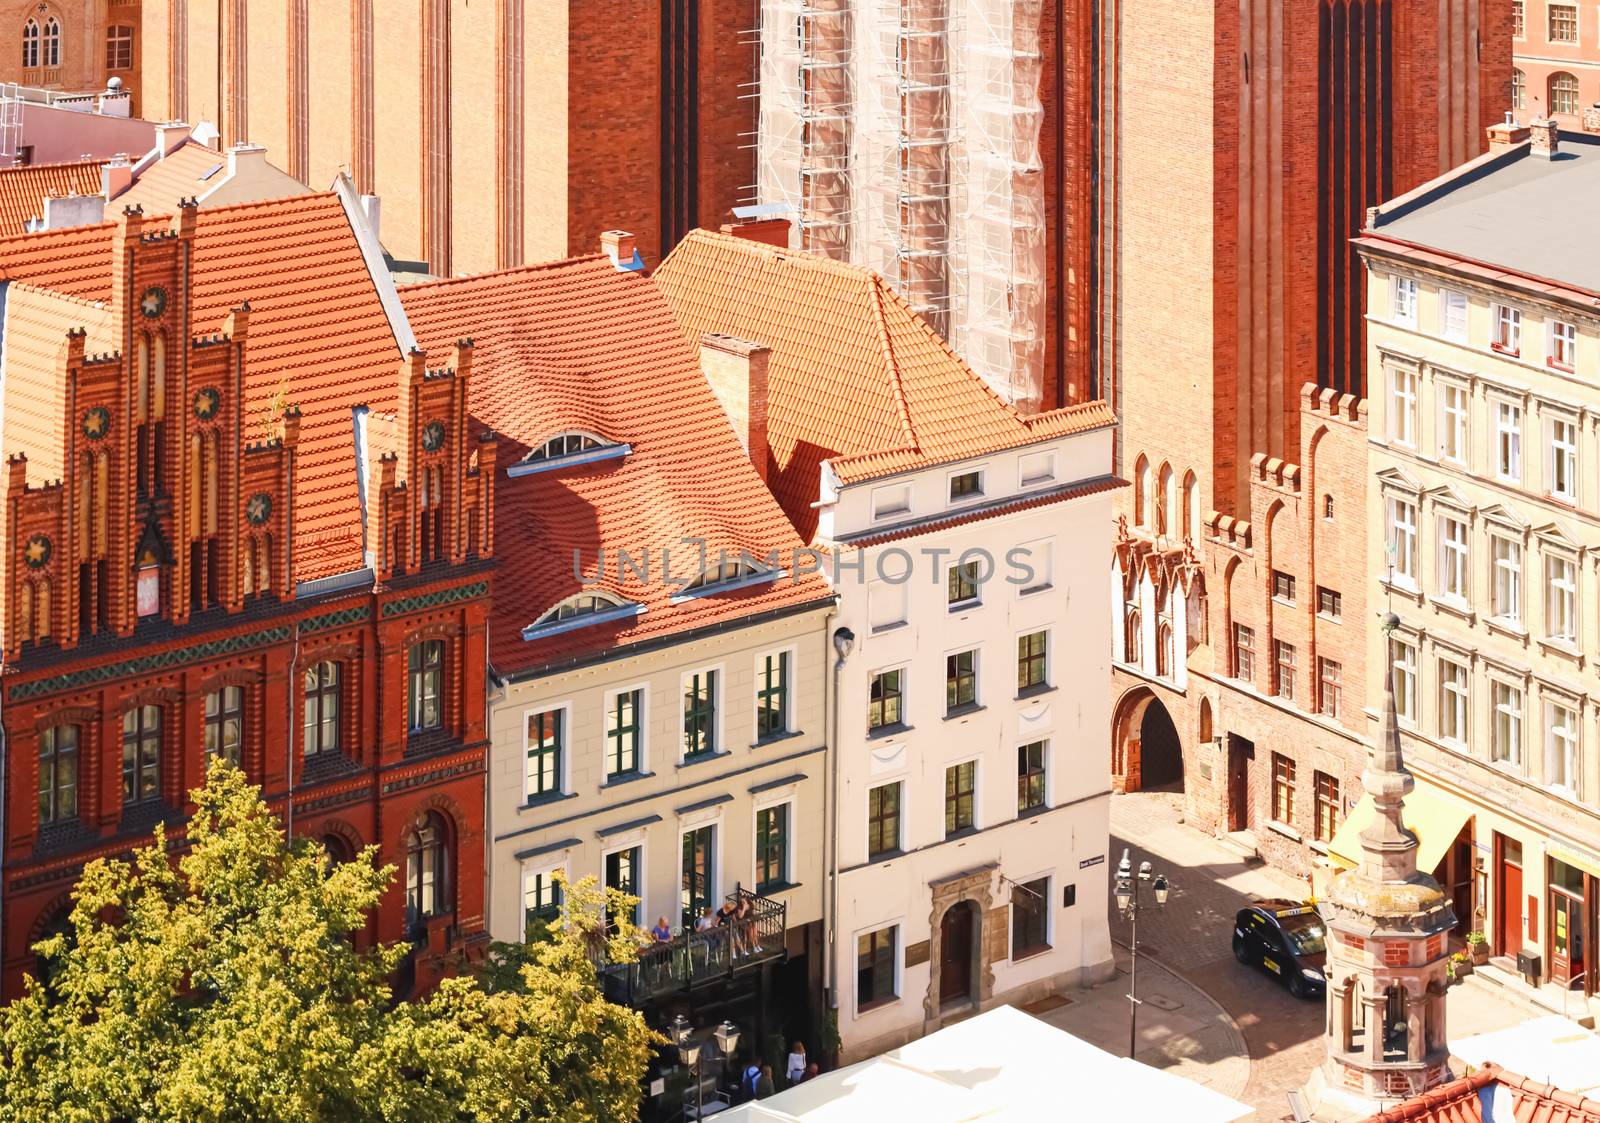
{"x":737,"y":371}
{"x":620,"y":247}
{"x":1546,"y":137}
{"x":1506,"y":134}
{"x":768,"y":231}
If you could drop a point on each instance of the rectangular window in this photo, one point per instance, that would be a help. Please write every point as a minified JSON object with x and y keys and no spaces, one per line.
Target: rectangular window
{"x":58,"y":774}
{"x":544,"y":745}
{"x":1244,"y":653}
{"x":622,"y":874}
{"x":966,"y":485}
{"x":1508,"y":441}
{"x":1032,"y":657}
{"x":875,"y":964}
{"x":1453,"y":557}
{"x":622,"y":733}
{"x":887,"y":605}
{"x":141,"y":754}
{"x":883,"y":704}
{"x":1282,"y":789}
{"x":1507,"y":330}
{"x":1507,"y":600}
{"x":889,"y":502}
{"x":1563,"y":459}
{"x":1283,"y":586}
{"x":772,"y":849}
{"x":1327,"y":820}
{"x":960,"y":680}
{"x":1563,"y":23}
{"x":1403,"y":406}
{"x":1560,"y":599}
{"x":1283,"y":657}
{"x":1562,"y":767}
{"x":1403,"y":541}
{"x":1329,"y":603}
{"x":1452,"y":702}
{"x":1403,"y":658}
{"x":119,"y":47}
{"x":1328,"y":675}
{"x":961,"y":590}
{"x":1518,"y":26}
{"x":700,"y":714}
{"x":1507,"y":743}
{"x":772,"y":696}
{"x":960,"y":788}
{"x":427,"y":680}
{"x":883,"y":820}
{"x":1563,"y":345}
{"x":224,"y":729}
{"x":541,"y":898}
{"x":322,"y":708}
{"x":1453,"y":314}
{"x":1455,"y":437}
{"x":1030,"y":777}
{"x":1403,"y":301}
{"x":1030,"y":917}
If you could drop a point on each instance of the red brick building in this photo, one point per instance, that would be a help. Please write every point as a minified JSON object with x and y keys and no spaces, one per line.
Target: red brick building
{"x":244,"y":517}
{"x":1556,"y":56}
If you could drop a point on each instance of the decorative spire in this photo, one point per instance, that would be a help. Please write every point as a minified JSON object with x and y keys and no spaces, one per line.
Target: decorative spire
{"x":1388,"y":849}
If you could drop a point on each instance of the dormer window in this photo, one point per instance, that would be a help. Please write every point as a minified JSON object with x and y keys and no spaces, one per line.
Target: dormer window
{"x":574,"y":447}
{"x":965,"y":486}
{"x":566,"y":444}
{"x":581,"y":610}
{"x":725,"y":574}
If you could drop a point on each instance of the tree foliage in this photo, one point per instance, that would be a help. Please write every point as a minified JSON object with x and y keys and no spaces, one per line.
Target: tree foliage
{"x":229,"y":986}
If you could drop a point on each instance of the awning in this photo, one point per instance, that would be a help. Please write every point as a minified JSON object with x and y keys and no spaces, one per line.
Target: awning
{"x":1434,"y":817}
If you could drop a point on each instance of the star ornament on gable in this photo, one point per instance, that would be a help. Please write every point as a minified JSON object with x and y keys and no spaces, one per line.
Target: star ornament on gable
{"x":154,"y":301}
{"x":433,"y":436}
{"x":259,"y":509}
{"x":205,"y":403}
{"x":37,"y":552}
{"x":96,"y":423}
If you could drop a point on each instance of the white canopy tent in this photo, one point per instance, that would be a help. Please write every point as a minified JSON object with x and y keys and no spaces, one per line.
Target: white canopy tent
{"x":1552,"y":1049}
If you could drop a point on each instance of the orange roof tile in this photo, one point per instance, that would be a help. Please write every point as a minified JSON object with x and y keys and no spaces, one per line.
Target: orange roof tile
{"x":183,"y":173}
{"x":1460,"y":1102}
{"x":317,"y":331}
{"x":856,"y":377}
{"x":36,"y":325}
{"x":579,"y":345}
{"x":23,"y":189}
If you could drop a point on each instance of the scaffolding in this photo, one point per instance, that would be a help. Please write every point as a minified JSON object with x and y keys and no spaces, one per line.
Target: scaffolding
{"x":904,"y":135}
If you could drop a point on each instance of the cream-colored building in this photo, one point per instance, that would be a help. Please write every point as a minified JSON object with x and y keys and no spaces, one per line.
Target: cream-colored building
{"x":1484,"y":365}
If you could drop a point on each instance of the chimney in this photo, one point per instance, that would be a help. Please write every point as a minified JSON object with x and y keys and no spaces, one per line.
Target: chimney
{"x":1506,"y":134}
{"x":74,"y":210}
{"x":246,"y":157}
{"x":619,"y":246}
{"x":170,"y":137}
{"x":737,"y":372}
{"x":116,"y":176}
{"x":1591,"y":119}
{"x":372,"y":207}
{"x":1546,"y":137}
{"x":767,"y":231}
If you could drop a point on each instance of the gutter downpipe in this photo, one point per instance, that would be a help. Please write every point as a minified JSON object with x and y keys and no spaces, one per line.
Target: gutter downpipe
{"x":842,"y":640}
{"x":294,"y":660}
{"x":494,"y":691}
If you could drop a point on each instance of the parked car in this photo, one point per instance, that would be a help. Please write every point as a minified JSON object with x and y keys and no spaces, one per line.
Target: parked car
{"x":1283,"y":938}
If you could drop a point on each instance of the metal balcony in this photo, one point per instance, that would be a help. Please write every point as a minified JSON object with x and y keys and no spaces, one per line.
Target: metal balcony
{"x":694,"y":959}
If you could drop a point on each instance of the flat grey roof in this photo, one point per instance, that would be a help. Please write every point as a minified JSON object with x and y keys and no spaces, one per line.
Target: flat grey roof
{"x":1527,"y":213}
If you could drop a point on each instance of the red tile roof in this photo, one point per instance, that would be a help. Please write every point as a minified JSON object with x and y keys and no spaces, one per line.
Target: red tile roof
{"x":164,"y":183}
{"x":317,"y":331}
{"x":856,"y":377}
{"x":23,"y":189}
{"x":579,"y":345}
{"x":1460,"y":1102}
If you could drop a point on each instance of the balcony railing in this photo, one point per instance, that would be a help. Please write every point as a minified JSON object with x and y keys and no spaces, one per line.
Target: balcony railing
{"x":691,"y":959}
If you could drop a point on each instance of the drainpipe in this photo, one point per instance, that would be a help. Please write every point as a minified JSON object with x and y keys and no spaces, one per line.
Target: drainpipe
{"x":294,"y":660}
{"x":495,"y":691}
{"x":843,"y":640}
{"x":5,"y":759}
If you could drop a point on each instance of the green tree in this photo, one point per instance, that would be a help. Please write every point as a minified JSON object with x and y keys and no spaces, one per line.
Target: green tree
{"x":228,"y":987}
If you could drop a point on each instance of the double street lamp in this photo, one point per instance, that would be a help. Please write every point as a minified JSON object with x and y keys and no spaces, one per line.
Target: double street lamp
{"x":1128,"y":905}
{"x":692,"y":1052}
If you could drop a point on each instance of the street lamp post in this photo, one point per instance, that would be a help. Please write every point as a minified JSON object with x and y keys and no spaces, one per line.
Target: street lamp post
{"x":691,"y":1052}
{"x":1128,"y":906}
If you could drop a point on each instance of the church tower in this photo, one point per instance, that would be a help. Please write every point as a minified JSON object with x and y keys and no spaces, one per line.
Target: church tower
{"x":1387,"y":928}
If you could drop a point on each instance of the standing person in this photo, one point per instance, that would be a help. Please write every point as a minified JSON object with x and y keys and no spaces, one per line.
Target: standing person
{"x":795,"y":1070}
{"x":813,"y":1069}
{"x":744,"y":925}
{"x":764,"y":1086}
{"x":727,"y":930}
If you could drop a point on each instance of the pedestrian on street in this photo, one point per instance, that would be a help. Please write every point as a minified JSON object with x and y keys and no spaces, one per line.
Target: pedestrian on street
{"x":813,"y":1069}
{"x":764,"y":1086}
{"x":795,"y":1069}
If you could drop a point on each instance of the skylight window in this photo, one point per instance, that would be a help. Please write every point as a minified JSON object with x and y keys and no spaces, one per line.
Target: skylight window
{"x":563,"y":445}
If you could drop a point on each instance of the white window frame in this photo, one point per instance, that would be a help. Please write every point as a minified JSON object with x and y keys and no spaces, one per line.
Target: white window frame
{"x":1455,"y":557}
{"x":1561,"y":466}
{"x":1043,"y":469}
{"x":1505,"y":587}
{"x":1403,"y":406}
{"x":1563,"y":745}
{"x":1561,"y":351}
{"x":976,"y":599}
{"x":1507,"y":330}
{"x":757,"y":667}
{"x":1034,"y":550}
{"x":899,"y":925}
{"x":1403,"y":661}
{"x":1049,"y":878}
{"x":978,"y":818}
{"x":1402,"y":534}
{"x":1506,"y":704}
{"x":564,"y":771}
{"x":900,"y":843}
{"x":1452,"y":301}
{"x":792,"y":821}
{"x":891,"y":593}
{"x":977,"y":497}
{"x":1508,"y":441}
{"x":637,"y":840}
{"x":1560,"y":598}
{"x":1403,"y":300}
{"x":1457,"y":696}
{"x":1455,"y":421}
{"x":645,"y":702}
{"x":533,"y":868}
{"x":891,"y":502}
{"x":719,"y":708}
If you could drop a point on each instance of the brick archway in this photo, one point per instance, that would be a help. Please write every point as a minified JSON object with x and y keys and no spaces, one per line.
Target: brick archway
{"x":1146,"y":750}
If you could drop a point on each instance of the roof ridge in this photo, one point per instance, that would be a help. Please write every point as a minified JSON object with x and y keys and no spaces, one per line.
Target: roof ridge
{"x":29,"y":286}
{"x":244,"y":205}
{"x":549,"y":266}
{"x":55,"y":164}
{"x":902,"y":408}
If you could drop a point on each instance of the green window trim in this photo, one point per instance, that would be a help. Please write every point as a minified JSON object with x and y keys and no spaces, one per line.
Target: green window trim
{"x":772,"y":697}
{"x":622,"y":733}
{"x":541,"y":899}
{"x":700,"y":714}
{"x":546,"y":743}
{"x":772,"y":848}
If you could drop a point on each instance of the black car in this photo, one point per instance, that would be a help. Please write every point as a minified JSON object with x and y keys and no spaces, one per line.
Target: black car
{"x":1283,"y":938}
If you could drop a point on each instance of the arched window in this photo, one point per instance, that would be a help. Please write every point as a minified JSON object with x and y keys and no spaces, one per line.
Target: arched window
{"x":30,"y":44}
{"x":41,"y":610}
{"x":563,"y":445}
{"x":119,"y":47}
{"x":322,"y":708}
{"x":337,"y":850}
{"x":598,"y":605}
{"x":427,"y":867}
{"x":427,"y":685}
{"x":1205,"y":721}
{"x":1141,"y":493}
{"x":726,"y":572}
{"x":1130,"y":635}
{"x":52,"y":42}
{"x":1563,"y":93}
{"x":1164,"y":651}
{"x":1191,"y":506}
{"x":1519,"y":90}
{"x":58,"y":774}
{"x":432,"y":503}
{"x":141,"y":754}
{"x":1167,"y":511}
{"x":1396,"y":1024}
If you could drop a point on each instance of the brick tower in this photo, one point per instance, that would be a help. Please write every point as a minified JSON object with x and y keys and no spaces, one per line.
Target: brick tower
{"x":1387,"y":923}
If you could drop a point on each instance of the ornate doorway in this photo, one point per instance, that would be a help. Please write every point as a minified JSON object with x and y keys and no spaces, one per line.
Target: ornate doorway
{"x":958,"y":943}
